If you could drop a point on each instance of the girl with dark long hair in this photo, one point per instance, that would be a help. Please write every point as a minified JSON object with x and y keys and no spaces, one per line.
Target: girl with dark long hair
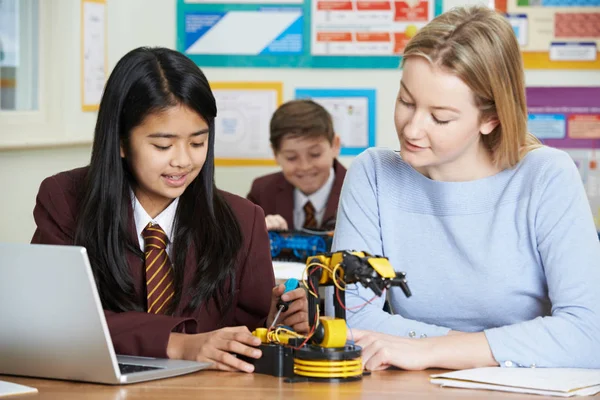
{"x":183,"y":269}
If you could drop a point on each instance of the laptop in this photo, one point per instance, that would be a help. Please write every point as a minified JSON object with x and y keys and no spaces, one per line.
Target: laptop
{"x":52,"y":324}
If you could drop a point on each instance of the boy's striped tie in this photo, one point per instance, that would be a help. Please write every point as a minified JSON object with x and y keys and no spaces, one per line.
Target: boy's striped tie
{"x":310,"y":219}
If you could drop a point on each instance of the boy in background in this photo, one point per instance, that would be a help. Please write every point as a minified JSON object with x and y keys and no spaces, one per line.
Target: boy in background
{"x":305,"y":194}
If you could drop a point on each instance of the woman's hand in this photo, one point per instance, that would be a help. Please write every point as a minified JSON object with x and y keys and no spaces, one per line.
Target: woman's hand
{"x":457,"y":350}
{"x":381,"y":351}
{"x":276,"y":223}
{"x":217,"y":347}
{"x":296,"y":316}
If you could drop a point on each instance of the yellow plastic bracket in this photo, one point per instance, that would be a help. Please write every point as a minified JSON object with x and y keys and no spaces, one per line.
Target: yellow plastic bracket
{"x":261,"y":333}
{"x":335,"y":332}
{"x":383,"y":267}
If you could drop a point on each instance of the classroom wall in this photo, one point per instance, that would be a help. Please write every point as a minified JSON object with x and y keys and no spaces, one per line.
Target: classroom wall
{"x":133,"y":23}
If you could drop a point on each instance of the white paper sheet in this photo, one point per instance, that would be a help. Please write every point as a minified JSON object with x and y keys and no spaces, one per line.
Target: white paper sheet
{"x":562,"y":382}
{"x":10,"y":389}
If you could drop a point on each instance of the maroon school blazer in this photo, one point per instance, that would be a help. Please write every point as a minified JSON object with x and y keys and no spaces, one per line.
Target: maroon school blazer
{"x":143,"y":334}
{"x":275,"y":195}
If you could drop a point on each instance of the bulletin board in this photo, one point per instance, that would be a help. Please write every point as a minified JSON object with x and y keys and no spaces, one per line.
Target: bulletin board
{"x":556,"y":34}
{"x":353,"y":114}
{"x":242,"y":123}
{"x":300,"y":33}
{"x":565,"y":117}
{"x":568,"y":118}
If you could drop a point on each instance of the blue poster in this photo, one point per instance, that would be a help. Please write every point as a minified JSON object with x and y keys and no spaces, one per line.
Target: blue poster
{"x":302,"y":35}
{"x":277,"y":31}
{"x":547,"y":126}
{"x":352,"y":112}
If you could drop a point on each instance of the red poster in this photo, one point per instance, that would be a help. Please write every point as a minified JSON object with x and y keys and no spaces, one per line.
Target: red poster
{"x":405,"y":12}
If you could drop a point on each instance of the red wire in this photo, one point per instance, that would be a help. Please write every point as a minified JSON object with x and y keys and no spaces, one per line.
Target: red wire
{"x":337,"y":294}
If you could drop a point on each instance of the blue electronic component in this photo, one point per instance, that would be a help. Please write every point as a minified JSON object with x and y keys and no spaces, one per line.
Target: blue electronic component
{"x":297,"y":245}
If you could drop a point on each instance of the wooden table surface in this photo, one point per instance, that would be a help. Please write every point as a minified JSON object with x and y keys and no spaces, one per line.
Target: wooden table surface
{"x":228,"y":385}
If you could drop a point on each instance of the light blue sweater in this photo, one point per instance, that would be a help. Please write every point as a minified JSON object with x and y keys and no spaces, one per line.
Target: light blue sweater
{"x":515,"y":255}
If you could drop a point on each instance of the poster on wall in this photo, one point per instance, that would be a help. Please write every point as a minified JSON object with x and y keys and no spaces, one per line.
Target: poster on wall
{"x":568,"y":118}
{"x":352,"y":112}
{"x":300,"y":33}
{"x":366,"y":28}
{"x":242,"y":123}
{"x":557,"y":34}
{"x":565,"y":117}
{"x":275,"y":31}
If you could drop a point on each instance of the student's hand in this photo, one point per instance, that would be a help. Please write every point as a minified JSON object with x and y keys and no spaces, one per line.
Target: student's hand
{"x":296,"y":316}
{"x":218,"y":347}
{"x":381,"y":351}
{"x":276,"y":223}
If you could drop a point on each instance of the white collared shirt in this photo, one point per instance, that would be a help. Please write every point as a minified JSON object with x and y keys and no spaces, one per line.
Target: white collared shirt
{"x":318,"y":200}
{"x":165,"y":219}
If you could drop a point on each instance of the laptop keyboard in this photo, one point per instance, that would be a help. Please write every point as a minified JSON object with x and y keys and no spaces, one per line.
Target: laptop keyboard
{"x":131,"y":368}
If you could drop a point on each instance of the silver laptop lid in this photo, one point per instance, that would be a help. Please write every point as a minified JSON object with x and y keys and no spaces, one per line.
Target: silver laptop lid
{"x":51,"y":320}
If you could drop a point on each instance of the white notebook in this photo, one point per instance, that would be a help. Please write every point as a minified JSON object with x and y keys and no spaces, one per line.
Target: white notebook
{"x":563,"y":382}
{"x":10,"y":389}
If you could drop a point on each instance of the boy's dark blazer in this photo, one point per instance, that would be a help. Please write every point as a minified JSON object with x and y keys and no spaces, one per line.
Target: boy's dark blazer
{"x":276,"y":196}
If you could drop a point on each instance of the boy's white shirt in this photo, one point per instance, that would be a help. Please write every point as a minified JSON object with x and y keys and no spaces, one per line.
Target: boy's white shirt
{"x":318,"y":200}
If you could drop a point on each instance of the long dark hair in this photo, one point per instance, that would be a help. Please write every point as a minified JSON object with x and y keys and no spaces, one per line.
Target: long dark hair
{"x":146,"y":81}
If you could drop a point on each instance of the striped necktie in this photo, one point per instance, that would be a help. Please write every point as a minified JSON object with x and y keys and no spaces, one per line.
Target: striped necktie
{"x":159,"y":271}
{"x":310,"y":219}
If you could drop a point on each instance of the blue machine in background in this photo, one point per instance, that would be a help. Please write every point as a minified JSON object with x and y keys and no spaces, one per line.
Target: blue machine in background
{"x":297,"y":245}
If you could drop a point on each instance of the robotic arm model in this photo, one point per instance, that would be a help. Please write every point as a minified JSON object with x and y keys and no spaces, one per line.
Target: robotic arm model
{"x":324,"y":354}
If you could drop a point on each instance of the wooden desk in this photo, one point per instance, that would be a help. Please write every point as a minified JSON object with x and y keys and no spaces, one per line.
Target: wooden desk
{"x":232,"y":386}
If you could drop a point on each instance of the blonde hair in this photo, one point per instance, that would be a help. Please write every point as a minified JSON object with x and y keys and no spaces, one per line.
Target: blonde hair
{"x":479,"y":46}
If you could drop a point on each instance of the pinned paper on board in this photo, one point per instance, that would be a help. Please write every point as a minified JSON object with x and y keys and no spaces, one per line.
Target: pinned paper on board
{"x":93,"y":53}
{"x":557,"y":34}
{"x":352,"y":112}
{"x":366,"y":28}
{"x":242,"y":123}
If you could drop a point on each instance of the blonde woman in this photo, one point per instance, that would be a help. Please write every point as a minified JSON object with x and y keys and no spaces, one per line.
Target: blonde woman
{"x":493,"y":229}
